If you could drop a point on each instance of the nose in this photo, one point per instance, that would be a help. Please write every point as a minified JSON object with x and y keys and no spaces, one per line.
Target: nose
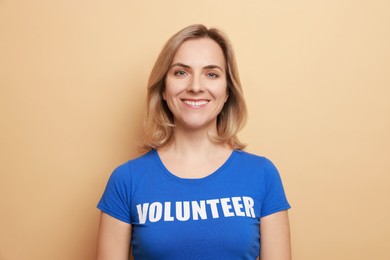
{"x":195,"y":85}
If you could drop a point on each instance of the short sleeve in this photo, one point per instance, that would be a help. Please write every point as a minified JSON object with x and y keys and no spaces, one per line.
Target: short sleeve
{"x":116,"y":198}
{"x":274,"y":196}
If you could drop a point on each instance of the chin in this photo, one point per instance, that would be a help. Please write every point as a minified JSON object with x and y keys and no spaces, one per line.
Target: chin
{"x":196,"y":122}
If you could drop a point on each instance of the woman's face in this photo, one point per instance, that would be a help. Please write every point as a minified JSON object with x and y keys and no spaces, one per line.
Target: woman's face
{"x":195,"y":85}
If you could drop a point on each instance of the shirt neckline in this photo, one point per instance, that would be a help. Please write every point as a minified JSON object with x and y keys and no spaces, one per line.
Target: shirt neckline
{"x":176,"y":178}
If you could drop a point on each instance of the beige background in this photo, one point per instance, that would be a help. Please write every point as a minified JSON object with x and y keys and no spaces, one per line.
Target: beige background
{"x":316,"y":79}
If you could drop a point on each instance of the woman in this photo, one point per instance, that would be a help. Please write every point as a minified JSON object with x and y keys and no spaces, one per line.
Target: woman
{"x":195,"y":194}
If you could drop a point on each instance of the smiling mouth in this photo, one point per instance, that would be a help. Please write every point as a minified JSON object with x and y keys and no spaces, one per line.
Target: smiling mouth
{"x":195,"y":104}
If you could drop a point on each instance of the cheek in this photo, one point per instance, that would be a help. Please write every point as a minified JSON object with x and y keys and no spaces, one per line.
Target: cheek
{"x":170,"y":89}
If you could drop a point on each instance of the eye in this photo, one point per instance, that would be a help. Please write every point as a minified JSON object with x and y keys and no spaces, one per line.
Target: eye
{"x":180,"y":73}
{"x":212,"y":75}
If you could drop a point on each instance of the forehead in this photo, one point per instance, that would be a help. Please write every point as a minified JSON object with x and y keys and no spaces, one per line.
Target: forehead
{"x":200,"y":52}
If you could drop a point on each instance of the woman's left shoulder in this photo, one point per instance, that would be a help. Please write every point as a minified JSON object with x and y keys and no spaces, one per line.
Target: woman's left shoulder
{"x":254,"y":159}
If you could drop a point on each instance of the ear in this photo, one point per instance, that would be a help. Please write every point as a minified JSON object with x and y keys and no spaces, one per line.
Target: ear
{"x":163,"y":96}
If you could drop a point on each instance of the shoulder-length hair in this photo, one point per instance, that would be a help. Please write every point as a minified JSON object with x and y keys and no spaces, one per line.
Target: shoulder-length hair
{"x":159,"y":124}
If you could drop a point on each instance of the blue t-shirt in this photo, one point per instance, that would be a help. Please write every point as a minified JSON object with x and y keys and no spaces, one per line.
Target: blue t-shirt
{"x":215,"y":217}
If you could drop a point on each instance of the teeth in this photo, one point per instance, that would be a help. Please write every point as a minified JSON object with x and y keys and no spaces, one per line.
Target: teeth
{"x":196,"y":103}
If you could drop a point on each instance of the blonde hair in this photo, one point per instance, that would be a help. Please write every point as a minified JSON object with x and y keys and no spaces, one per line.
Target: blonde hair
{"x":159,"y":124}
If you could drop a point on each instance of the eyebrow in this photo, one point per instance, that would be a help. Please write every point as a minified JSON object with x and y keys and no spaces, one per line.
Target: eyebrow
{"x":189,"y":67}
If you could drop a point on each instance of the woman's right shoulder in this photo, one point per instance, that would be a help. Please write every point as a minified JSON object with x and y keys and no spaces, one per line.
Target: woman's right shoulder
{"x":133,"y":165}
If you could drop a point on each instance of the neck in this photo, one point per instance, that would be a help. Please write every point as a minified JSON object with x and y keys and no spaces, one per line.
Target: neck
{"x":194,"y":154}
{"x":199,"y":142}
